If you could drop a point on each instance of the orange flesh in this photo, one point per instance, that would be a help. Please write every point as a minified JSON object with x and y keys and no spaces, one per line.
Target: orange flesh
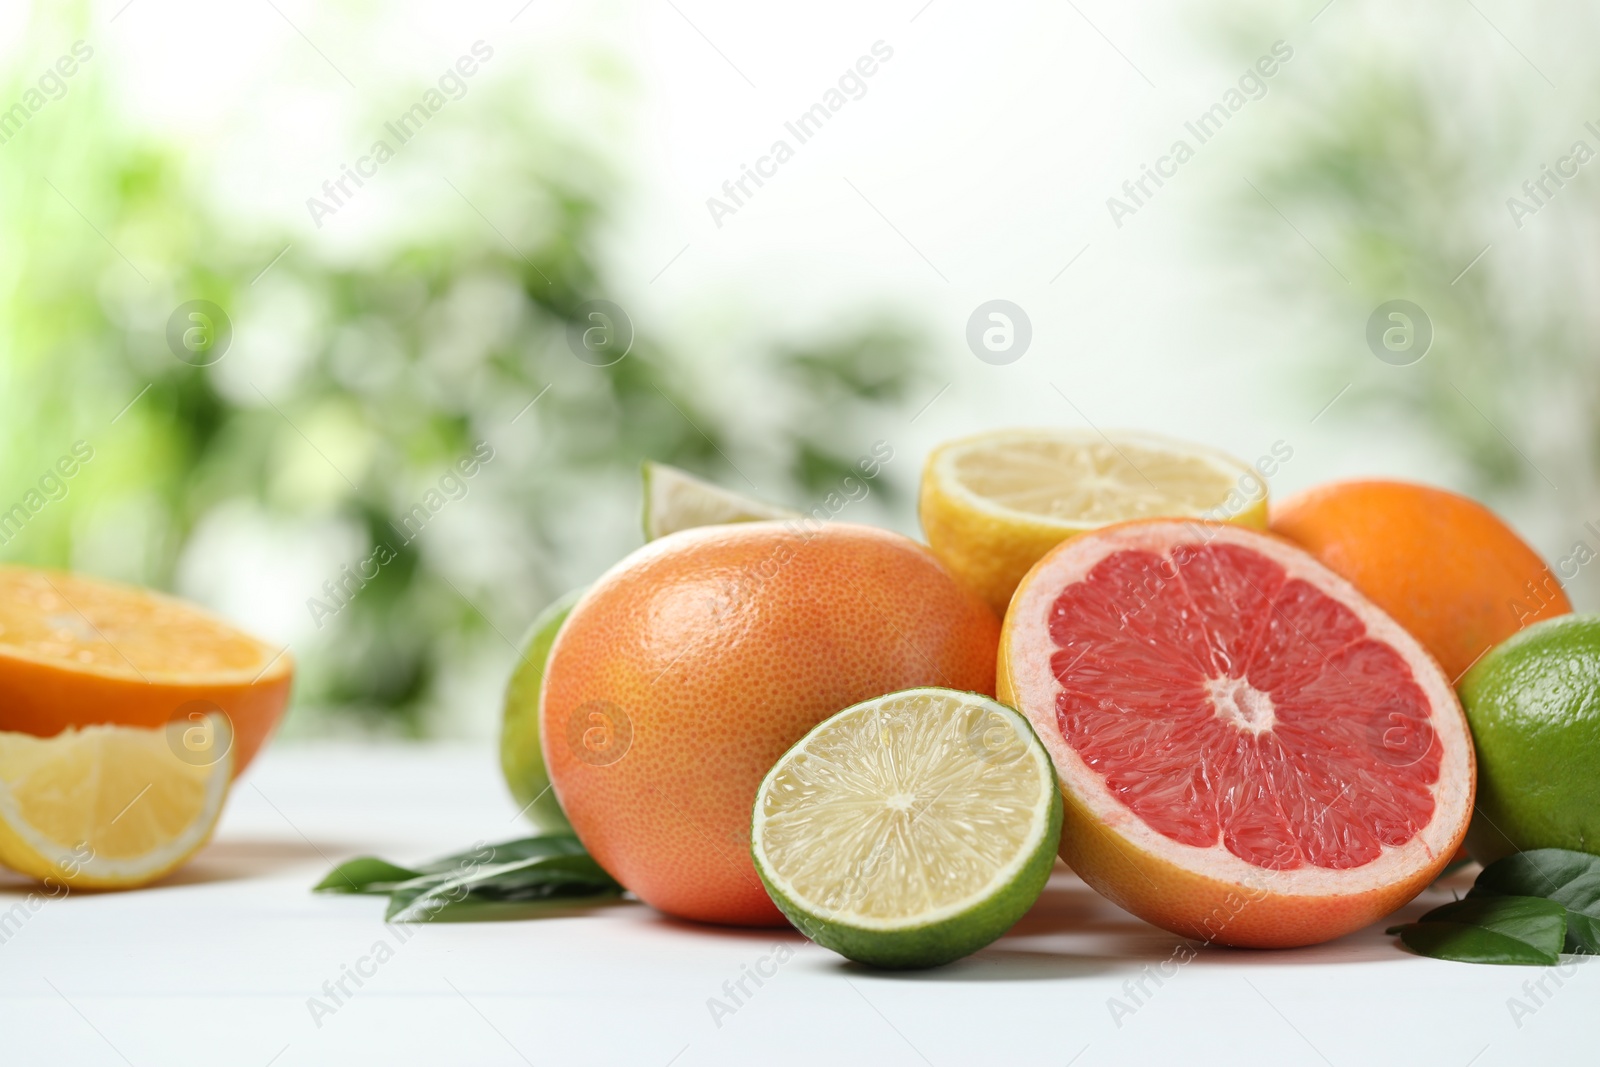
{"x":77,"y":651}
{"x":89,"y":625}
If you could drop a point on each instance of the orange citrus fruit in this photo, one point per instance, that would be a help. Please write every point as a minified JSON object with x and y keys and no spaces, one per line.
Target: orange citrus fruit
{"x":1250,"y":751}
{"x":1446,"y":567}
{"x":690,"y":667}
{"x":79,"y":651}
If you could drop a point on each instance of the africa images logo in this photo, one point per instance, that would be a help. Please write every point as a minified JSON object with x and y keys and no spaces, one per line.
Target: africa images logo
{"x":452,"y":85}
{"x":807,"y":125}
{"x":1252,"y":85}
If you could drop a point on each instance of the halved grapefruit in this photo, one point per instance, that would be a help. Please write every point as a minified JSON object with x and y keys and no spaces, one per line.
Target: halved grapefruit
{"x":1250,"y":752}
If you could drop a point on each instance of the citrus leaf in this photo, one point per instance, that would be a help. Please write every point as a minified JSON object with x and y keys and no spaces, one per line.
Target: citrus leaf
{"x":481,"y":855}
{"x":550,"y":873}
{"x":1583,"y":933}
{"x":364,"y":874}
{"x":1503,"y":930}
{"x":1571,"y":879}
{"x":433,"y":905}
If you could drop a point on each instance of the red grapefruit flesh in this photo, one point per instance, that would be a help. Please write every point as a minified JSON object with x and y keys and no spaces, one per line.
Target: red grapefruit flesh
{"x":1250,"y":751}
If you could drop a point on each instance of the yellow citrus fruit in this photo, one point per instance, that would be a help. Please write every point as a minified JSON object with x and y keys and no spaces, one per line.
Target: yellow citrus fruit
{"x":111,"y":807}
{"x":993,"y":504}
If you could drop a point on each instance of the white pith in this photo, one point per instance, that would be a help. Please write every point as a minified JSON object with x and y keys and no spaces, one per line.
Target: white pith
{"x":1242,"y":705}
{"x":1120,"y":496}
{"x":837,"y":877}
{"x":1029,"y":648}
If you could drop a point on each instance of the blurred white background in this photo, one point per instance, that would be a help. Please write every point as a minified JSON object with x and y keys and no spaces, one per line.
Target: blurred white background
{"x":1231,"y":308}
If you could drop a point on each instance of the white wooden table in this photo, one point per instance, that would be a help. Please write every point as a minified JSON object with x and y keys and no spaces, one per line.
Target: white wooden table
{"x":231,"y":962}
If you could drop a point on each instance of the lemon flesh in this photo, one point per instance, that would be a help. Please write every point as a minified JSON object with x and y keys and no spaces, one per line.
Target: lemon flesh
{"x":676,"y":500}
{"x":909,"y":830}
{"x":111,"y":806}
{"x":992,"y":505}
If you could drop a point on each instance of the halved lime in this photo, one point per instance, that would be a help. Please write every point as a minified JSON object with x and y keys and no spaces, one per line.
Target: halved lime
{"x":676,"y":500}
{"x":521,"y":757}
{"x":909,"y":830}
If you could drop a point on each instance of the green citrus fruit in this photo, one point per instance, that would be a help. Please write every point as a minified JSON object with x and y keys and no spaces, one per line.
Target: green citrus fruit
{"x":521,"y":758}
{"x":911,"y":829}
{"x":1534,"y":705}
{"x":676,"y":500}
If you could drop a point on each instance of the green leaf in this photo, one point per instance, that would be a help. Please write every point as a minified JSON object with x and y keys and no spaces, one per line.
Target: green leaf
{"x":544,"y":875}
{"x":1583,"y":933}
{"x":430,"y":905}
{"x":481,"y":855}
{"x":1503,"y":930}
{"x":534,"y":878}
{"x":1571,"y":879}
{"x":364,"y":874}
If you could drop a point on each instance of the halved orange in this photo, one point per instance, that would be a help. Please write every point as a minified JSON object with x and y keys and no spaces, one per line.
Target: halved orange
{"x":80,"y":651}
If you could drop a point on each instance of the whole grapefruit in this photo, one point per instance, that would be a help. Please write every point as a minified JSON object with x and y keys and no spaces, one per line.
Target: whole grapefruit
{"x":1447,"y":568}
{"x":1250,"y":752}
{"x":692,"y":665}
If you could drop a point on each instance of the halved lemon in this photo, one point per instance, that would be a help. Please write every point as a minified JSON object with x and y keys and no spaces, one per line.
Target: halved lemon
{"x":909,"y":830}
{"x":112,"y":807}
{"x":993,"y":504}
{"x":676,"y":500}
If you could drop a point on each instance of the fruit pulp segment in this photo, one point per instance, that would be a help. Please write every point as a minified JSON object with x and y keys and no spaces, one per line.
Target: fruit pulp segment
{"x":119,"y":790}
{"x":909,"y":807}
{"x":99,"y":626}
{"x":1222,"y":700}
{"x":1093,"y":482}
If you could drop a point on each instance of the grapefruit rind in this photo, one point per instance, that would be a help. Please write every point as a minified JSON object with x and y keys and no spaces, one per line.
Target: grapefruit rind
{"x":1208,"y":893}
{"x":711,"y":652}
{"x":914,"y":900}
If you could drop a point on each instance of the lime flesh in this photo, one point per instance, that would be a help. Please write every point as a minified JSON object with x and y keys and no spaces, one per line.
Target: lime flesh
{"x":676,"y":500}
{"x":1534,"y":705}
{"x":909,"y":830}
{"x":521,"y":757}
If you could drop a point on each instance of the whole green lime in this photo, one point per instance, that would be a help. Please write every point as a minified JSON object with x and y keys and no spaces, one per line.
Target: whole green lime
{"x":521,"y":757}
{"x":1534,"y":705}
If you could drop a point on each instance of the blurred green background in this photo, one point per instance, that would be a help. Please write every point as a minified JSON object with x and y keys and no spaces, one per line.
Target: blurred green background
{"x":368,"y":356}
{"x":384,"y":369}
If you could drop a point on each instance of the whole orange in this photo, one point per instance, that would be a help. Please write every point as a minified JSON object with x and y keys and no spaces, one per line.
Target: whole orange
{"x":692,"y":665}
{"x":1444,"y":566}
